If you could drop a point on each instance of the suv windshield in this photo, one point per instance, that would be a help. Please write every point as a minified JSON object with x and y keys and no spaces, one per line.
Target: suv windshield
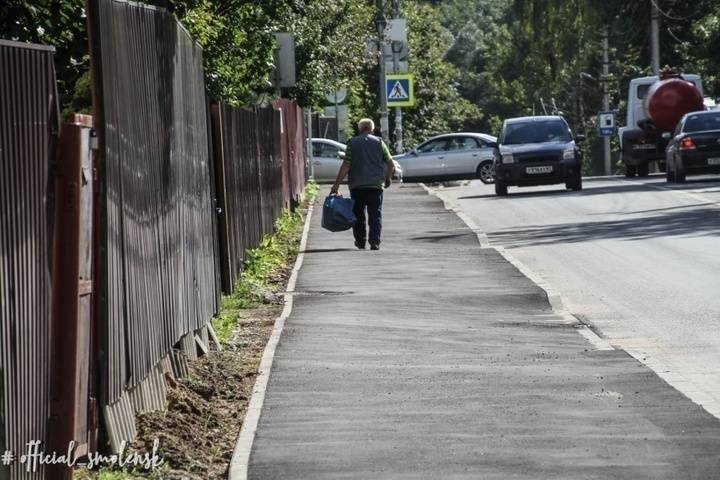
{"x":699,"y":123}
{"x":535,"y":132}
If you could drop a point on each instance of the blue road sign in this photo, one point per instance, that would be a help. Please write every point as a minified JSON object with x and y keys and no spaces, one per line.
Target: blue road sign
{"x":606,"y":124}
{"x":399,"y":90}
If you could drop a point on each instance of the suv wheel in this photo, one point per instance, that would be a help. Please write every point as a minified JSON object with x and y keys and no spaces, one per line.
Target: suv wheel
{"x":574,"y":184}
{"x":630,"y":170}
{"x":500,"y":189}
{"x":680,"y":176}
{"x":486,"y":172}
{"x":643,"y":170}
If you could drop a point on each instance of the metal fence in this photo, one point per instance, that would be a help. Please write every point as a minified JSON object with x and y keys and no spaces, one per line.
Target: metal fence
{"x":158,"y":250}
{"x":292,"y":144}
{"x":259,"y":166}
{"x":28,"y":133}
{"x":136,"y":275}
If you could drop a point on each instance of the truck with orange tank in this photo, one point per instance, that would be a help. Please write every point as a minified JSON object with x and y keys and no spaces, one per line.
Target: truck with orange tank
{"x":655,"y":106}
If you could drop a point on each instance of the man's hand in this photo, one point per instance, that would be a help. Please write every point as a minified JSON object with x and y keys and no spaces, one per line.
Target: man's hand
{"x":388,"y":182}
{"x":334,"y":189}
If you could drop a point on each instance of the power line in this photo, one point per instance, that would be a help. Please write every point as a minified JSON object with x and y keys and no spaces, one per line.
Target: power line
{"x":670,"y":17}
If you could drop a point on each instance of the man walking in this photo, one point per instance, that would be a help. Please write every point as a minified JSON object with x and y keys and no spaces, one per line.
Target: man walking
{"x":368,"y":161}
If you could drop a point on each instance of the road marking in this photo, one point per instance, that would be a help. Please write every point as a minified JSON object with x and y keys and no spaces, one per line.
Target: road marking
{"x":553,"y":296}
{"x":241,"y":455}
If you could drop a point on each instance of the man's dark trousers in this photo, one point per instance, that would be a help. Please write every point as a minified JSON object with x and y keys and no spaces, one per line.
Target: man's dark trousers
{"x":372,"y":199}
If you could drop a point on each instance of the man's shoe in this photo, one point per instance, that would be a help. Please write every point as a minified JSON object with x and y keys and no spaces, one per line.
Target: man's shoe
{"x":374,"y":246}
{"x":360,"y":245}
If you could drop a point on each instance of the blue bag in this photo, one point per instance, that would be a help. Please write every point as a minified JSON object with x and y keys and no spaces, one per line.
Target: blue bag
{"x":338,"y":213}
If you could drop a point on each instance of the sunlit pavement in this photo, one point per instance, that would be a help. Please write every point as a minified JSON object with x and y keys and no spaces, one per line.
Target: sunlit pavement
{"x":638,"y":259}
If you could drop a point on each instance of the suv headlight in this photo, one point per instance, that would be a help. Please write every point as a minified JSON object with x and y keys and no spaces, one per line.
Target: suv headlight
{"x":507,"y":157}
{"x":569,"y":153}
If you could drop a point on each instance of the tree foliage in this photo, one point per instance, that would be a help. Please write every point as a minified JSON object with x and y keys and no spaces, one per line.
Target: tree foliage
{"x":516,"y":55}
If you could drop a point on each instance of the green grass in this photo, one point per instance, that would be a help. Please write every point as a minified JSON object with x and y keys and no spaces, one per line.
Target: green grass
{"x":262,"y":266}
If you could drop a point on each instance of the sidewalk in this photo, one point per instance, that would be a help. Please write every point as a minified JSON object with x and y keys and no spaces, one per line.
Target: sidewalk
{"x":434,"y":358}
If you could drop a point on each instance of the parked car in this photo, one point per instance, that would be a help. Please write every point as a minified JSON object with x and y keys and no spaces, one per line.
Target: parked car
{"x":453,"y":156}
{"x":537,"y":151}
{"x":695,"y":146}
{"x":328,"y":156}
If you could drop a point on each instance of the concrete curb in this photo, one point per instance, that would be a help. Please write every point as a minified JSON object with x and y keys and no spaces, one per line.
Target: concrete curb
{"x":238,"y":469}
{"x":554,"y":297}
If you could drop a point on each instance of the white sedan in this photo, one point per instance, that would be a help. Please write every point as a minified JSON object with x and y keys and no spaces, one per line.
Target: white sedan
{"x":328,"y":156}
{"x":452,"y":156}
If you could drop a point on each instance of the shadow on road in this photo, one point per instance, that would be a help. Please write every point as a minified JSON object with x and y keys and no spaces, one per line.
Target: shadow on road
{"x":697,"y":222}
{"x":327,"y":250}
{"x":624,"y":187}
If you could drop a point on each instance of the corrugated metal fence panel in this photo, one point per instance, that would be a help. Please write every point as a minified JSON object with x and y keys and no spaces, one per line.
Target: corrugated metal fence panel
{"x":28,"y":134}
{"x":160,"y":242}
{"x":248,"y":153}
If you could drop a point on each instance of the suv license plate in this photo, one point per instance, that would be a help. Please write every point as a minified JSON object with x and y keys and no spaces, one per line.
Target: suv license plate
{"x":714,"y":161}
{"x":644,"y":146}
{"x":535,"y":170}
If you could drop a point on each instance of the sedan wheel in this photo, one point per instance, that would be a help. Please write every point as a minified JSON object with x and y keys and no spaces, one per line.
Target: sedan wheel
{"x":486,"y":172}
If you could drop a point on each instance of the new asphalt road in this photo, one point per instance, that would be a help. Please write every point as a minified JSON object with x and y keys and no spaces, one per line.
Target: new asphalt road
{"x":435,"y":358}
{"x":637,"y":259}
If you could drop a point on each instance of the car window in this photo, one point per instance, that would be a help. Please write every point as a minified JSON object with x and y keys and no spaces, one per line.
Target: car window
{"x":462,"y":143}
{"x":642,"y":91}
{"x":679,"y":128}
{"x":325,"y":150}
{"x":317,"y":148}
{"x":699,"y":123}
{"x":535,"y":132}
{"x":438,"y":145}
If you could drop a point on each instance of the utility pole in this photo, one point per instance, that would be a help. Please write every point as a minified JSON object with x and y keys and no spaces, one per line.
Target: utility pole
{"x":606,"y":98}
{"x":655,"y":36}
{"x":381,"y":22}
{"x":395,"y":11}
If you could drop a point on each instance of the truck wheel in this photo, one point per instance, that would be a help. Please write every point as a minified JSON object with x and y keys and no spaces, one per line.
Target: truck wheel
{"x":669,"y":176}
{"x":500,"y":189}
{"x":630,"y":170}
{"x":643,"y":170}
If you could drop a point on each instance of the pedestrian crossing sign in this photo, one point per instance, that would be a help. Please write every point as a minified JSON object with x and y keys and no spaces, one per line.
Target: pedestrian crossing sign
{"x":399,"y":90}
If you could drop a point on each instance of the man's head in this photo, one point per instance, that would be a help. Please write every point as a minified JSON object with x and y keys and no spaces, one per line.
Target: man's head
{"x":366,"y":125}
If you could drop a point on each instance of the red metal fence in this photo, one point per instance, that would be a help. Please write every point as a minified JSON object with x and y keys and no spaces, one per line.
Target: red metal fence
{"x":28,"y":135}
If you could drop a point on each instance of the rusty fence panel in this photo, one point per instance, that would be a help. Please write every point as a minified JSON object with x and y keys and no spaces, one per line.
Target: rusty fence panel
{"x":28,"y":135}
{"x":73,"y":416}
{"x":157,"y":266}
{"x":292,"y":150}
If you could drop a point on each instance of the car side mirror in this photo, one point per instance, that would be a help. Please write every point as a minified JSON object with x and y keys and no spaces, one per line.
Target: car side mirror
{"x":414,"y":152}
{"x":666,"y":135}
{"x":492,"y":144}
{"x":341,"y":155}
{"x":579,"y":138}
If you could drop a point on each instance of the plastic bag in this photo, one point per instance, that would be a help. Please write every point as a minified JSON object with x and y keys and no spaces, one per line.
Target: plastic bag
{"x":338,"y":213}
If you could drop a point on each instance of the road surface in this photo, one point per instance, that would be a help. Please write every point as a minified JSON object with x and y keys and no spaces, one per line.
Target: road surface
{"x":638,"y":260}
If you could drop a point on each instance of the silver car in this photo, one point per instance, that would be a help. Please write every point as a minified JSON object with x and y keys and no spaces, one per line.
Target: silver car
{"x":453,"y":156}
{"x":328,"y":156}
